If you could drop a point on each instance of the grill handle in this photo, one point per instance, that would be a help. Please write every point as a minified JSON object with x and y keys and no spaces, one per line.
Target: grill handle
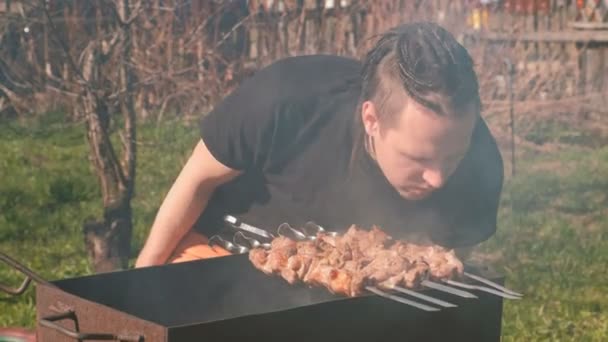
{"x":49,"y":322}
{"x":29,"y":276}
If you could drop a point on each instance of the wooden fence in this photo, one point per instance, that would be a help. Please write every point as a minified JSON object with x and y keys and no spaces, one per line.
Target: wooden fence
{"x":189,"y":53}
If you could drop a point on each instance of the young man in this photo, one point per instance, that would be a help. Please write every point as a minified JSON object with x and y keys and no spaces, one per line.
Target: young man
{"x":397,"y":141}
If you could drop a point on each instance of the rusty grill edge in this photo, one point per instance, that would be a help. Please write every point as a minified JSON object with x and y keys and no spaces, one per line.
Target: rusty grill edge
{"x":144,"y":305}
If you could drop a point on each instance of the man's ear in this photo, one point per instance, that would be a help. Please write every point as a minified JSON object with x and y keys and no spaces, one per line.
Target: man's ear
{"x":369,"y":116}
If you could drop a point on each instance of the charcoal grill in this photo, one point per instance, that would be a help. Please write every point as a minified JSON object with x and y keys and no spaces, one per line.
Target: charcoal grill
{"x":227,"y":299}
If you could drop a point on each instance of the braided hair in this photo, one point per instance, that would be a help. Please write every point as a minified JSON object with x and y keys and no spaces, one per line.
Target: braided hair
{"x":420,"y":61}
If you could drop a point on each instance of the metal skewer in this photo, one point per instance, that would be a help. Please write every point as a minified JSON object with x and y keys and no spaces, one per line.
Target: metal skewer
{"x":481,"y":288}
{"x":400,"y":299}
{"x":298,"y":234}
{"x":430,"y":284}
{"x":492,"y":284}
{"x":424,"y":297}
{"x":232,"y":247}
{"x":252,"y":242}
{"x":233,"y":221}
{"x":448,"y":289}
{"x":317,"y":229}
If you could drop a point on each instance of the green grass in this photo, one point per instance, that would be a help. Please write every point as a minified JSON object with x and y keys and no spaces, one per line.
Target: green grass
{"x":552,"y":243}
{"x":552,"y":240}
{"x":47,"y":189}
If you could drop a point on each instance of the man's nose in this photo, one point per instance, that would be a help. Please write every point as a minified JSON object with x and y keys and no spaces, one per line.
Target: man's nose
{"x":434,"y":178}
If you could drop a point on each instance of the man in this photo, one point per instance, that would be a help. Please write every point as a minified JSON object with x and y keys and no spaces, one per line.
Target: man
{"x":397,"y":141}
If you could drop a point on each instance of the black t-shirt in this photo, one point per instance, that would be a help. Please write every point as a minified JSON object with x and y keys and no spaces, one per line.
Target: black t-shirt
{"x":290,"y":128}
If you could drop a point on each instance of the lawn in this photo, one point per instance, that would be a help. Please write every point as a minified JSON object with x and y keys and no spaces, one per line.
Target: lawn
{"x":552,"y":240}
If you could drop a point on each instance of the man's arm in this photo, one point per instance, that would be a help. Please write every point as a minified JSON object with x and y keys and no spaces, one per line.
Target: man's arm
{"x":184,"y":203}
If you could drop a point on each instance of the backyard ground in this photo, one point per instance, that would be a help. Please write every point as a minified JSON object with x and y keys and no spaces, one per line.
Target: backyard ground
{"x":552,"y":240}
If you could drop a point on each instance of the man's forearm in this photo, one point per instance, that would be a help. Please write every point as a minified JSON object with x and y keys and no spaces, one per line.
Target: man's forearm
{"x":184,"y":203}
{"x":175,"y":217}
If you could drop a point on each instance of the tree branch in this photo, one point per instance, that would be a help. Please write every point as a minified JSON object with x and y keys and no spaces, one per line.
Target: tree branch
{"x":64,"y":46}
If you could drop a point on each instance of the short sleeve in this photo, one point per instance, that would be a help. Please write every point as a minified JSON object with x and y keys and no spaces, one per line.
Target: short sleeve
{"x":470,"y":202}
{"x":238,"y":131}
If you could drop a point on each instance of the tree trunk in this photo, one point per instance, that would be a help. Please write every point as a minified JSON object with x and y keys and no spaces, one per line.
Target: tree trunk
{"x":108,"y":240}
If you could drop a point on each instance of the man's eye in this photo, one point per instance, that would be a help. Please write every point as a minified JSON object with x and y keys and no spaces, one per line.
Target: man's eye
{"x":413,"y":158}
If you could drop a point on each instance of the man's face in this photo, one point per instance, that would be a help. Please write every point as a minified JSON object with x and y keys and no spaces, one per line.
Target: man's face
{"x":419,"y":150}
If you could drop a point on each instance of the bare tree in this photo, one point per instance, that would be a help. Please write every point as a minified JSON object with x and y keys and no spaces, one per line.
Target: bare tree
{"x":108,"y":240}
{"x":104,"y":84}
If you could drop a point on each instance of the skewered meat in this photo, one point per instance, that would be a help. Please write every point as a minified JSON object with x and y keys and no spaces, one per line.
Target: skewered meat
{"x":443,"y":263}
{"x":345,"y":264}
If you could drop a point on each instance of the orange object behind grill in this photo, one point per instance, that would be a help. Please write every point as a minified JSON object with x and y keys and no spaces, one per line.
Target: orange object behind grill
{"x":195,"y":246}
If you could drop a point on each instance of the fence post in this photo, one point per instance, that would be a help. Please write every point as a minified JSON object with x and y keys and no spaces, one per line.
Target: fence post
{"x":511,"y":73}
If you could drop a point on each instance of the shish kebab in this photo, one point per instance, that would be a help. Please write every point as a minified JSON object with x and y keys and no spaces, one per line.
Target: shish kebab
{"x":359,"y":260}
{"x":298,"y":235}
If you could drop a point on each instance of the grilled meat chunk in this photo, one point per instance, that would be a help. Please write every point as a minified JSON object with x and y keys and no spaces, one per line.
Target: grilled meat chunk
{"x":443,"y":263}
{"x":346,"y":264}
